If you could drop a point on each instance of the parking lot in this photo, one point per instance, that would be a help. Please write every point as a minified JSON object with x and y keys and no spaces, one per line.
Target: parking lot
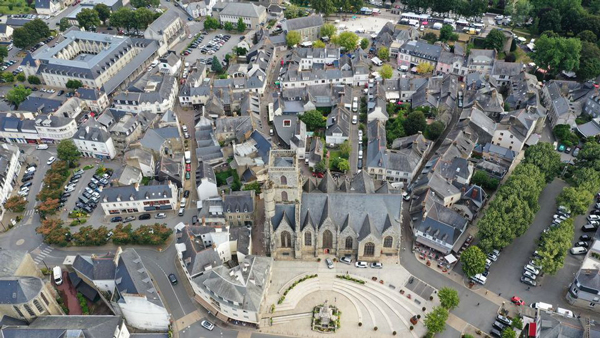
{"x":227,"y":47}
{"x":505,"y":273}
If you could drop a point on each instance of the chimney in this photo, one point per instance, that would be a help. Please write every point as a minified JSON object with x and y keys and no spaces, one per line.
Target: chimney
{"x":136,"y":186}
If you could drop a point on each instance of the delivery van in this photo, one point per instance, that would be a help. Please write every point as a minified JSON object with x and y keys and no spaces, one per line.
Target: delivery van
{"x":57,"y":274}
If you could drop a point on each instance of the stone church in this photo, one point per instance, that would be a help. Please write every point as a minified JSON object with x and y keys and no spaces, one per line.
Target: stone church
{"x":328,"y":216}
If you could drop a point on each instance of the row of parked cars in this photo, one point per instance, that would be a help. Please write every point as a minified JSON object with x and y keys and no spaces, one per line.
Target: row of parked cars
{"x":358,"y":264}
{"x":88,"y":201}
{"x":26,"y":180}
{"x":482,"y":277}
{"x":215,"y":44}
{"x":140,"y":217}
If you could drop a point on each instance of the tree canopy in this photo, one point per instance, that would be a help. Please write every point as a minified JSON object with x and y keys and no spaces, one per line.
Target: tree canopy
{"x":448,"y":298}
{"x":473,"y":261}
{"x":348,"y":40}
{"x":434,"y":130}
{"x":545,"y":158}
{"x":68,"y":152}
{"x":30,"y":34}
{"x":211,"y":23}
{"x":386,"y":71}
{"x":554,"y":245}
{"x":557,"y":53}
{"x":293,"y":38}
{"x":313,"y":119}
{"x":495,"y":40}
{"x":17,"y":95}
{"x":435,"y":321}
{"x":364,"y":43}
{"x":414,"y":123}
{"x":241,"y":26}
{"x":88,"y":19}
{"x":383,"y":53}
{"x":64,"y":24}
{"x":328,"y":30}
{"x":103,"y":12}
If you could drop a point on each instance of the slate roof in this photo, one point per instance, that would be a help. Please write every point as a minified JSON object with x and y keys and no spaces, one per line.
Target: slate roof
{"x":93,"y":131}
{"x":197,"y":256}
{"x":589,"y":129}
{"x":133,"y":278}
{"x":91,"y":94}
{"x":303,"y":23}
{"x":95,"y":268}
{"x":159,"y":191}
{"x":10,"y":260}
{"x":154,"y":139}
{"x":443,"y":224}
{"x":37,"y":104}
{"x":422,"y":50}
{"x":97,"y":326}
{"x":238,"y":201}
{"x":243,"y":9}
{"x":19,"y":290}
{"x":507,"y":68}
{"x":338,"y":121}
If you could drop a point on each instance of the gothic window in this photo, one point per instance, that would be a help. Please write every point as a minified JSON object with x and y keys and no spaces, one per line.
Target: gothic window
{"x":307,"y":239}
{"x":45,"y":299}
{"x":369,"y":250}
{"x":283,"y":180}
{"x":387,"y":242}
{"x":348,"y":243}
{"x":29,"y":310}
{"x":18,"y":311}
{"x":284,"y":196}
{"x":286,"y":240}
{"x":327,"y":240}
{"x":38,"y":306}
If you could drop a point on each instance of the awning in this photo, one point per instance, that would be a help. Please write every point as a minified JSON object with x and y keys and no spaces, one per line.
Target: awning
{"x":165,"y":207}
{"x":450,"y":258}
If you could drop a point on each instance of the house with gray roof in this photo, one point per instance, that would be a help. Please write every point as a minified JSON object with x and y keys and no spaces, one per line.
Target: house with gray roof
{"x":208,"y":148}
{"x":207,"y":182}
{"x":47,"y":7}
{"x":92,"y":139}
{"x":168,"y":30}
{"x":481,"y":60}
{"x":418,"y":51}
{"x":338,"y":125}
{"x":77,"y":56}
{"x":479,"y":122}
{"x":502,"y":72}
{"x":237,"y":128}
{"x":59,"y":326}
{"x":172,"y":168}
{"x":138,"y":198}
{"x":440,"y":228}
{"x":95,"y":99}
{"x":251,"y":14}
{"x":142,"y":160}
{"x":560,"y":110}
{"x":238,"y":208}
{"x":153,"y":93}
{"x":130,"y":175}
{"x":309,"y":27}
{"x":292,"y":132}
{"x":589,"y":129}
{"x":585,"y":287}
{"x":516,"y":127}
{"x":161,"y":141}
{"x":240,"y":290}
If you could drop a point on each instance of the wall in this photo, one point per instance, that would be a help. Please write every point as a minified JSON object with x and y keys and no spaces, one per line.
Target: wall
{"x":142,"y":314}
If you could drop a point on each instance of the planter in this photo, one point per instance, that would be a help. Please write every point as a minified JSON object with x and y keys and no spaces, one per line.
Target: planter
{"x":381,"y":281}
{"x":414,"y":320}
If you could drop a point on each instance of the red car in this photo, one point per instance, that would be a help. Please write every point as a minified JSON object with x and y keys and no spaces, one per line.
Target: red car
{"x":188,"y":167}
{"x":319,"y":175}
{"x":517,"y":301}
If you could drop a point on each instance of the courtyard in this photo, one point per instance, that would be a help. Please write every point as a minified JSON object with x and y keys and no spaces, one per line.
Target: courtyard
{"x":372,"y":302}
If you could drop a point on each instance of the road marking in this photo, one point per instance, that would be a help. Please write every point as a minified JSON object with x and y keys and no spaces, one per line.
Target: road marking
{"x":171,"y":285}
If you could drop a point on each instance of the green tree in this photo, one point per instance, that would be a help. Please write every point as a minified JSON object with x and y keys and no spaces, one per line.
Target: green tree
{"x":473,"y":261}
{"x":216,"y":66}
{"x":586,"y":178}
{"x":3,"y":53}
{"x":588,"y":36}
{"x":482,"y":179}
{"x":88,"y":19}
{"x":124,"y":18}
{"x":386,"y":71}
{"x":448,"y":298}
{"x":67,"y":151}
{"x":364,"y":43}
{"x":320,"y":167}
{"x":291,"y":12}
{"x":430,"y":37}
{"x":589,"y":61}
{"x":394,"y":129}
{"x":211,"y":23}
{"x":345,"y":149}
{"x":17,"y":95}
{"x":228,"y":26}
{"x":446,"y":33}
{"x":21,"y":77}
{"x":414,"y":123}
{"x":8,"y":77}
{"x":328,"y":30}
{"x":545,"y":158}
{"x":145,"y":3}
{"x":557,"y":53}
{"x":31,"y":33}
{"x":434,"y":130}
{"x":143,"y":18}
{"x":495,"y":40}
{"x":293,"y":38}
{"x":517,"y":323}
{"x":424,"y":68}
{"x":341,"y":164}
{"x":64,"y":24}
{"x":575,"y":199}
{"x":313,"y":119}
{"x":319,"y":44}
{"x":74,"y":84}
{"x":323,"y":6}
{"x":103,"y":12}
{"x":16,"y":204}
{"x":509,"y":333}
{"x":34,"y":80}
{"x":519,"y":11}
{"x":550,"y":21}
{"x":241,"y":26}
{"x":435,"y":321}
{"x":348,"y":40}
{"x":383,"y":53}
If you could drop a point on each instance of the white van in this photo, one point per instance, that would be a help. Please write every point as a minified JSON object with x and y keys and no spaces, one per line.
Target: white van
{"x":438,"y":25}
{"x":564,"y":312}
{"x":41,"y":147}
{"x":541,"y":306}
{"x":479,"y":278}
{"x":57,"y":274}
{"x":578,"y":250}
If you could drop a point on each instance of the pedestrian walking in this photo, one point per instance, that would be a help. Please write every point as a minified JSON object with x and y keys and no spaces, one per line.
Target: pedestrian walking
{"x":477,"y":304}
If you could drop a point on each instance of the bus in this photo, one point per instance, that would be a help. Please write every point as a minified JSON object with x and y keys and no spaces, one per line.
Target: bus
{"x":413,"y":16}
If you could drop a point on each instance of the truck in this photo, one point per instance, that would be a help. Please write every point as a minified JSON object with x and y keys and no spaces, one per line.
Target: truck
{"x":188,"y":157}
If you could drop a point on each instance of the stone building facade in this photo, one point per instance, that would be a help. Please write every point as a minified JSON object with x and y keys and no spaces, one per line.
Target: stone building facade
{"x":307,"y":219}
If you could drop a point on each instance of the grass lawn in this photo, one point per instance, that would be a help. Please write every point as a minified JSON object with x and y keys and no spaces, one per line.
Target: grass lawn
{"x":522,"y":55}
{"x":223,"y":176}
{"x":332,"y":155}
{"x":18,"y":7}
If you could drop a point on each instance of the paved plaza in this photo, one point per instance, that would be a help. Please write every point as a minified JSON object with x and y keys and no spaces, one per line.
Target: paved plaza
{"x":379,"y":303}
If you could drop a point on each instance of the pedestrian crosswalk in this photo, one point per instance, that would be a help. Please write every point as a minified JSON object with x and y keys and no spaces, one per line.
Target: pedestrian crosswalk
{"x":29,"y":212}
{"x":42,"y":252}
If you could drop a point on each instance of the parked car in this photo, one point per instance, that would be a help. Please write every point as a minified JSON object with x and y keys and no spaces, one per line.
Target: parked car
{"x":361,"y":264}
{"x":578,"y":250}
{"x":528,"y":281}
{"x":160,"y":215}
{"x":531,"y":269}
{"x":186,"y":194}
{"x":207,"y":325}
{"x":172,"y":278}
{"x":329,"y":263}
{"x":529,"y":275}
{"x":504,"y":320}
{"x":376,"y":265}
{"x":517,"y":300}
{"x":144,"y":216}
{"x":129,"y":219}
{"x":586,"y":238}
{"x":51,"y":160}
{"x":346,"y":260}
